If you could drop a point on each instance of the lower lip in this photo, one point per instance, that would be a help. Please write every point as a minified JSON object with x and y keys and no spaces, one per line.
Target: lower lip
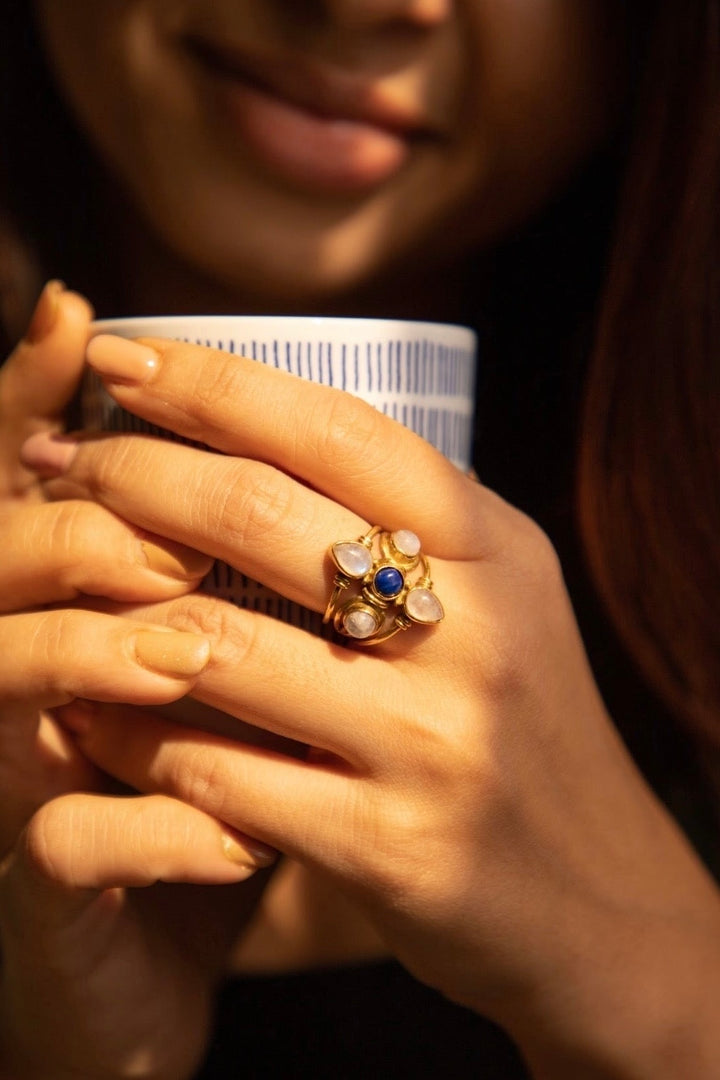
{"x":305,"y":149}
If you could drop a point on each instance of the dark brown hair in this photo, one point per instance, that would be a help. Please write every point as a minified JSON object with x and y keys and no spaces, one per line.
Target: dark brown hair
{"x":649,"y":468}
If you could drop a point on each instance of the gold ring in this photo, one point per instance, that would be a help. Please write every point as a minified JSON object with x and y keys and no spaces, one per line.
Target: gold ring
{"x":382,"y":585}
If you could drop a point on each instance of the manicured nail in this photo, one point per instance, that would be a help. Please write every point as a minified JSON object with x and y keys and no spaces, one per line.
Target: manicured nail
{"x":45,"y":314}
{"x":175,"y":560}
{"x":119,"y":360}
{"x":48,"y":454}
{"x":171,"y":652}
{"x":246,"y":851}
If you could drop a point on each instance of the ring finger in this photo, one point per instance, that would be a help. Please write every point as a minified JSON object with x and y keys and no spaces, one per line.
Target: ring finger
{"x":282,"y":680}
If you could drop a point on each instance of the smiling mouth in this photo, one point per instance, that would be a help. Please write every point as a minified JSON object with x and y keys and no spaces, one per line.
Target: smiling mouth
{"x":323,"y":130}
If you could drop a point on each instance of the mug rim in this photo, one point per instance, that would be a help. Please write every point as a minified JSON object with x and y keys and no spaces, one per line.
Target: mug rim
{"x":336,"y":325}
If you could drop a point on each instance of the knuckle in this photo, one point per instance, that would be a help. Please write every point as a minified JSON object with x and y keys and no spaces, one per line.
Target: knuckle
{"x":508,"y":634}
{"x":532,"y":555}
{"x":218,"y":379}
{"x":445,"y":746}
{"x":543,"y":556}
{"x":410,"y":838}
{"x":505,"y":658}
{"x":401,"y":837}
{"x":428,"y":739}
{"x":198,"y":778}
{"x":349,"y":434}
{"x":56,"y":636}
{"x":231,"y":629}
{"x":254,"y":503}
{"x":200,"y":614}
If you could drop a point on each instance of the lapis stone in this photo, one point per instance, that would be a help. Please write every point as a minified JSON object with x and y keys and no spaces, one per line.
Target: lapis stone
{"x":388,"y":582}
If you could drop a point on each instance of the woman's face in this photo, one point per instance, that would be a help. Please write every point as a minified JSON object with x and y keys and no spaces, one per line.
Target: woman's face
{"x":307,"y":147}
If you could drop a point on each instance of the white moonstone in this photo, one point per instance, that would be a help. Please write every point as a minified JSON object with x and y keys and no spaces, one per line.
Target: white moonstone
{"x":353,"y":559}
{"x":423,"y":606}
{"x":406,"y":542}
{"x":360,"y":624}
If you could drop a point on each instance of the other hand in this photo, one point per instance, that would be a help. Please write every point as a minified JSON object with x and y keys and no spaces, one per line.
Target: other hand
{"x":465,"y":785}
{"x":94,"y":976}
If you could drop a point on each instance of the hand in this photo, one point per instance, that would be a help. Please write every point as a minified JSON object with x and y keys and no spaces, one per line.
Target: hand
{"x":53,"y":553}
{"x":93,"y":980}
{"x":465,"y":785}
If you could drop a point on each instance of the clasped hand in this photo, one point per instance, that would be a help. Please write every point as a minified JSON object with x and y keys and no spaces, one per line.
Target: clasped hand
{"x":463,"y":783}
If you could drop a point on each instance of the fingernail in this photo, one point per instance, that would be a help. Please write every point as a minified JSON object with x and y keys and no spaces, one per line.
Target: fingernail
{"x":45,"y":314}
{"x":48,"y":454}
{"x":175,"y":560}
{"x":120,"y":360}
{"x":246,"y":851}
{"x":171,"y":652}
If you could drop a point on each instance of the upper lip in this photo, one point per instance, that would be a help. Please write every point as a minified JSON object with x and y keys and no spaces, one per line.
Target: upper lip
{"x":328,"y":92}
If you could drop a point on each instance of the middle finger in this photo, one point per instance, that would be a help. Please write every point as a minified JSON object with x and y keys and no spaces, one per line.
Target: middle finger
{"x":298,"y":686}
{"x":249,"y":514}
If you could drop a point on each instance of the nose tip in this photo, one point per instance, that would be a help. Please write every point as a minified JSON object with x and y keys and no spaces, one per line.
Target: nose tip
{"x":363,"y":13}
{"x":429,"y":12}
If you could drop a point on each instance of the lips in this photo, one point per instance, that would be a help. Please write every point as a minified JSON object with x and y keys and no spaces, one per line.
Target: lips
{"x":320,"y":129}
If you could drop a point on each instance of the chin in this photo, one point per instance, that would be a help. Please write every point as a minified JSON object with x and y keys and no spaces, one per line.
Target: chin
{"x":283,"y":268}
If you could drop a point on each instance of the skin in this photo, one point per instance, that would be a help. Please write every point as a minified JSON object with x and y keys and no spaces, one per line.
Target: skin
{"x":516,"y":96}
{"x":505,"y":847}
{"x":480,"y":838}
{"x":100,"y":950}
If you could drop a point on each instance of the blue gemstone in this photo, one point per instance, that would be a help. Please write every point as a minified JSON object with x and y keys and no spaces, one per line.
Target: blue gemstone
{"x":388,"y":582}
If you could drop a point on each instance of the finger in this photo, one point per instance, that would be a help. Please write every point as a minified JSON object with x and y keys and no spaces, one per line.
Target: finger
{"x":249,"y":514}
{"x":40,"y":377}
{"x":51,"y":657}
{"x":264,"y":794}
{"x":38,"y":761}
{"x":58,"y":551}
{"x":79,"y":844}
{"x":283,"y":680}
{"x":332,"y":440}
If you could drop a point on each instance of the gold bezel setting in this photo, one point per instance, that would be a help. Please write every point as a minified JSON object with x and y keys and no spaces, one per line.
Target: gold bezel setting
{"x":391,"y":586}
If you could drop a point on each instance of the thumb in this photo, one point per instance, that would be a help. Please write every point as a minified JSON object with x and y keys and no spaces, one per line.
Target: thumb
{"x":42,"y":373}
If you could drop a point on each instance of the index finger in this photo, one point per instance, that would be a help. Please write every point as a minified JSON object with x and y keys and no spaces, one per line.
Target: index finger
{"x":335,"y":442}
